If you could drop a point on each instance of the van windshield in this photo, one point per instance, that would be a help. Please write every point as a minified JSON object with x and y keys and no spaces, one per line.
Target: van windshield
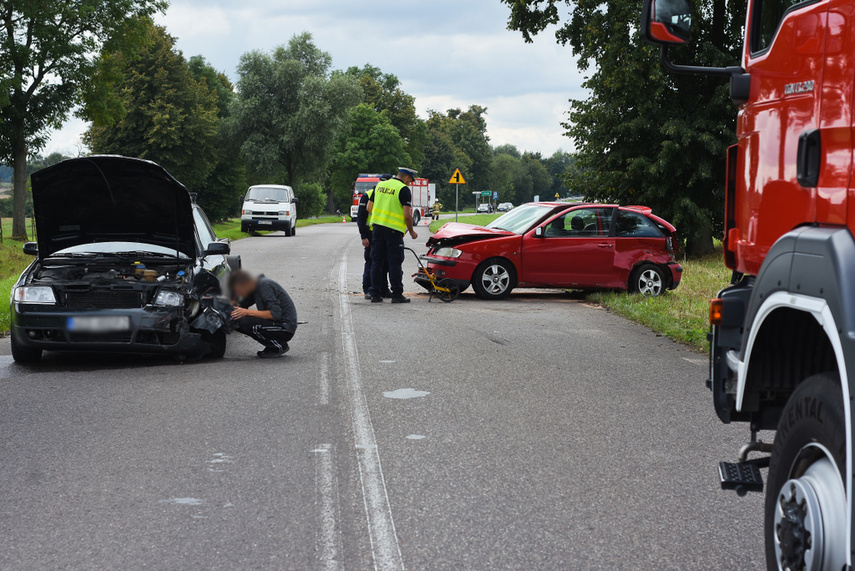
{"x":267,"y":194}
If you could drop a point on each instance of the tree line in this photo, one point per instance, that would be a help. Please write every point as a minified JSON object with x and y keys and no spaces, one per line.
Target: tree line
{"x":289,"y":117}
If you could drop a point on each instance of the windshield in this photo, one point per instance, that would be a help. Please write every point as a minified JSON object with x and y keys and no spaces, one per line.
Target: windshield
{"x":363,"y":187}
{"x":267,"y":193}
{"x":116,"y":247}
{"x":520,"y":220}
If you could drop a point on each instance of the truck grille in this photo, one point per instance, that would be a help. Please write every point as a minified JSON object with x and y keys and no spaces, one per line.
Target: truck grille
{"x":106,"y":299}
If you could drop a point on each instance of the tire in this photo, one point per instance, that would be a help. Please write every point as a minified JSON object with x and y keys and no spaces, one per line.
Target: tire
{"x":294,"y":229}
{"x":805,"y":516}
{"x":287,"y":231}
{"x":648,"y":280}
{"x":25,"y":355}
{"x":217,"y":341}
{"x":494,"y":279}
{"x":417,"y":217}
{"x":244,"y":228}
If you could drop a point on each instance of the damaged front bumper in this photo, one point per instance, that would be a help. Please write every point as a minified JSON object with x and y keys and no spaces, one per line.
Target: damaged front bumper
{"x":147,"y":330}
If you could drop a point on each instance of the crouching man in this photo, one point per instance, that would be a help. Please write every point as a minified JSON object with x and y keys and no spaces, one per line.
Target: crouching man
{"x":273,"y":322}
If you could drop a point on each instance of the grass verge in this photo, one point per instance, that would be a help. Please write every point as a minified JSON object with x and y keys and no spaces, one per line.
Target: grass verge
{"x":477,"y":220}
{"x":13,"y":261}
{"x":682,"y":314}
{"x":231,"y":228}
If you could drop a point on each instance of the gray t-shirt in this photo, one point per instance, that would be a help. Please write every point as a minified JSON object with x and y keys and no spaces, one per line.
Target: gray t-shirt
{"x":272,"y":297}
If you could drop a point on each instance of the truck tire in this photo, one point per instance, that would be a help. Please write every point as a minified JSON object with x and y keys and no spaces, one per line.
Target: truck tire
{"x":805,"y":496}
{"x":494,"y":279}
{"x":25,"y":355}
{"x":647,"y":280}
{"x":417,"y":217}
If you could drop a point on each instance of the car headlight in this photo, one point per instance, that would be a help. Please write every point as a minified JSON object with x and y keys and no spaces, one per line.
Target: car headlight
{"x":247,"y":212}
{"x":168,"y":298}
{"x":36,"y":295}
{"x":448,"y":253}
{"x":283,"y":213}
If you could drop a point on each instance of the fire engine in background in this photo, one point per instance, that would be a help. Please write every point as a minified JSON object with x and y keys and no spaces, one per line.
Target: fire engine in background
{"x":783,"y":334}
{"x":421,"y":189}
{"x":364,"y":183}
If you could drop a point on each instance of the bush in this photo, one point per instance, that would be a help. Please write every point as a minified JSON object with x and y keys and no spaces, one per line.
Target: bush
{"x":312,"y":199}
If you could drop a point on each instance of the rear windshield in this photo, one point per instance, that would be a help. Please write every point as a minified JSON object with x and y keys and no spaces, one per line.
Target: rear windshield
{"x":267,"y":193}
{"x":520,"y":219}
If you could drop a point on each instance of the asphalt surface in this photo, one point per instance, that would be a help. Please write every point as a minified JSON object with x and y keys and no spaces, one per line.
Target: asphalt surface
{"x":536,"y":433}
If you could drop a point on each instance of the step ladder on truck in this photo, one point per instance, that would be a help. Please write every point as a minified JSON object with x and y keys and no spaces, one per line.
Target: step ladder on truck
{"x":783,"y":334}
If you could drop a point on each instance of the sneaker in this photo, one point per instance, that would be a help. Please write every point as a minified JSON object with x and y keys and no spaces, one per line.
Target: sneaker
{"x":376,"y":299}
{"x":271,"y":353}
{"x":400,"y":299}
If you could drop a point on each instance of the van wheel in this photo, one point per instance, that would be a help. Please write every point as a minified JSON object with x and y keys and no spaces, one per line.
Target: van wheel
{"x":494,"y":279}
{"x":25,"y":355}
{"x":647,"y":279}
{"x":806,"y":497}
{"x":294,"y":229}
{"x":287,"y":231}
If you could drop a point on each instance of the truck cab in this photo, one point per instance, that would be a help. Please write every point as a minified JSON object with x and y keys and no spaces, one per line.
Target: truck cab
{"x":783,"y":334}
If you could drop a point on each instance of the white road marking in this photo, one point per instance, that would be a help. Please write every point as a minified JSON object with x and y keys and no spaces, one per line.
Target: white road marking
{"x":325,"y":482}
{"x":324,"y":395}
{"x":381,"y":526}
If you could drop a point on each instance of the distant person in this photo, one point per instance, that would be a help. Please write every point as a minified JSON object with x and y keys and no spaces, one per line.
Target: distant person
{"x":273,"y":322}
{"x":366,"y":231}
{"x":391,"y":210}
{"x":436,"y":209}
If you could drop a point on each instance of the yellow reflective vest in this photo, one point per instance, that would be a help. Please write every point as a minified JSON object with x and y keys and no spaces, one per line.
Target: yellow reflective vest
{"x":388,"y":210}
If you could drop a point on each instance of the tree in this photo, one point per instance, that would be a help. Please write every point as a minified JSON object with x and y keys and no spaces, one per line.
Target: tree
{"x":220,"y":195}
{"x":458,"y":139}
{"x":289,"y":112}
{"x":559,"y":167}
{"x":170,"y":118}
{"x":503,"y":174}
{"x":382,"y":92}
{"x":48,"y":58}
{"x":645,"y":136}
{"x":371,"y":144}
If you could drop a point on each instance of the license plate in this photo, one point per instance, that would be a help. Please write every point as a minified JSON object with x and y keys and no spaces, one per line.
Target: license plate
{"x":99,"y":324}
{"x":266,"y":222}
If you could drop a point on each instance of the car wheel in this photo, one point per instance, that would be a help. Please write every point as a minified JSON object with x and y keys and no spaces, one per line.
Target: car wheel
{"x":416,"y":218}
{"x":217,"y":342}
{"x":648,"y":280}
{"x":494,"y":279}
{"x":25,"y":355}
{"x":806,"y":497}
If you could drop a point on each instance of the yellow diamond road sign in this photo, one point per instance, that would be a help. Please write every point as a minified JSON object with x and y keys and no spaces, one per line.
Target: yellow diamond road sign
{"x":457,"y":178}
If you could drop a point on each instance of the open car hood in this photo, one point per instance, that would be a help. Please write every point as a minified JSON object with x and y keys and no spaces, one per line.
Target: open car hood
{"x":457,"y":233}
{"x":111,"y":199}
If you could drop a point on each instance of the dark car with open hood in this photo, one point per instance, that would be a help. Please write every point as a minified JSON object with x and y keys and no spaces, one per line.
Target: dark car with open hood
{"x":125,"y":262}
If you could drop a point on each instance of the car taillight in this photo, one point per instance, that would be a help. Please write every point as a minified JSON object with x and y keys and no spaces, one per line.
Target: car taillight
{"x":716,"y":312}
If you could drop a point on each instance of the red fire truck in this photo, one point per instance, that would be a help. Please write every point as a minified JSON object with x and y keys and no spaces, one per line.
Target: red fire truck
{"x":421,"y":190}
{"x":783,"y":334}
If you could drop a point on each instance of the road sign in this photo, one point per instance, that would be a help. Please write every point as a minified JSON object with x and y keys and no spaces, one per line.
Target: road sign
{"x":495,"y":196}
{"x":557,"y":195}
{"x":486,"y":193}
{"x":457,"y":178}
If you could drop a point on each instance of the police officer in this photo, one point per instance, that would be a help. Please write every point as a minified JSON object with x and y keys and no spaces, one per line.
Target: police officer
{"x":366,"y":232}
{"x":390,"y":207}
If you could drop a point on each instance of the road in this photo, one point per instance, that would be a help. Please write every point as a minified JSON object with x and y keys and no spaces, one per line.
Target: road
{"x":534,"y":433}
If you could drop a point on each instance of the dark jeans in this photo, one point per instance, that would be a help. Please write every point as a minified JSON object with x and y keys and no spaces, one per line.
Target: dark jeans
{"x":366,"y":272}
{"x":265,"y":331}
{"x":387,"y":247}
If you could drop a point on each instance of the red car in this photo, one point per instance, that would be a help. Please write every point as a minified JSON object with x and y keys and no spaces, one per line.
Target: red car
{"x":578,"y":246}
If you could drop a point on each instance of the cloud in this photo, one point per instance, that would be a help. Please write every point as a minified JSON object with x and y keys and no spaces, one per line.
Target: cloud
{"x":447,"y":53}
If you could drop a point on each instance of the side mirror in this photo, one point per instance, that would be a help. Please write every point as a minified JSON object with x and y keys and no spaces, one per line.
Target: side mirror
{"x":218,"y":249}
{"x":295,"y":200}
{"x":538,"y":232}
{"x":31,"y":249}
{"x":666,"y":22}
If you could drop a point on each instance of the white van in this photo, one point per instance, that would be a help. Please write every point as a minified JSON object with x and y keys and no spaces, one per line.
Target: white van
{"x":269,"y":207}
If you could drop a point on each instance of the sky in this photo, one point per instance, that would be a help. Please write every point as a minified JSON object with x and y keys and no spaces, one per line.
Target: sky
{"x":447,"y":54}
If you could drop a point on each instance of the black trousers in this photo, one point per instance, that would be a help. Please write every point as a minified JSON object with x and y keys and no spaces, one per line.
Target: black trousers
{"x":366,"y":272}
{"x":387,"y":247}
{"x":265,"y":331}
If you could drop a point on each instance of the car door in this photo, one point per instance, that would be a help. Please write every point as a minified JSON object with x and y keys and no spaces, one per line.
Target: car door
{"x":637,"y":240}
{"x":571,"y":250}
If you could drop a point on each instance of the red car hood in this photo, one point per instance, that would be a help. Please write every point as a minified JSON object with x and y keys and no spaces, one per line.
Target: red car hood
{"x":459,"y":233}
